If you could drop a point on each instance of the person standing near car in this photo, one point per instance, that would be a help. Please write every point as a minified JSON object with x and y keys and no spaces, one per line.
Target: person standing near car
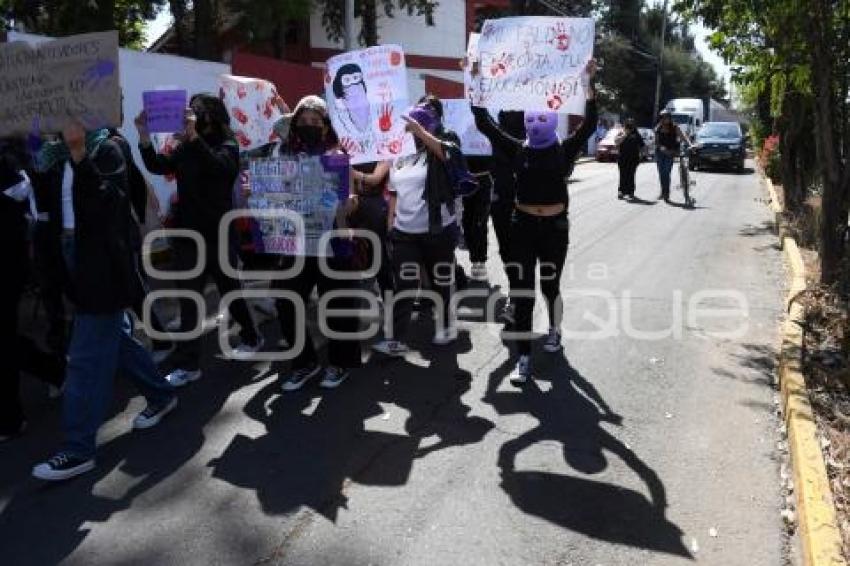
{"x":668,"y":135}
{"x":630,"y":144}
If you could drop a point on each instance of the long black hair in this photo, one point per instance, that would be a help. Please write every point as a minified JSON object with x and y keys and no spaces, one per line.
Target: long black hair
{"x":295,"y":144}
{"x":211,"y":111}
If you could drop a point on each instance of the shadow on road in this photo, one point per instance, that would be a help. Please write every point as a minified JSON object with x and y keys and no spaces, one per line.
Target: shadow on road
{"x":571,"y":413}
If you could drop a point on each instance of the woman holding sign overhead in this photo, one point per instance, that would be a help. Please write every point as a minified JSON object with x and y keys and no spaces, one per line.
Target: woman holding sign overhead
{"x":205,"y":164}
{"x":540,"y":223}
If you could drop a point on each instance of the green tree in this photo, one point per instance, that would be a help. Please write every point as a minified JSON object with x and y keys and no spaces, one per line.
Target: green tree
{"x":333,"y":15}
{"x":68,"y":17}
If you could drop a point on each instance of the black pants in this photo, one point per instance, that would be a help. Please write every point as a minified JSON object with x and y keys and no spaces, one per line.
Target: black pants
{"x":11,"y":413}
{"x":414,"y":254}
{"x":155,"y":321}
{"x":543,"y":240}
{"x":476,"y":211}
{"x":344,"y":353}
{"x":628,"y":168}
{"x":53,"y":281}
{"x":372,"y":216}
{"x":501,"y":211}
{"x":188,"y":354}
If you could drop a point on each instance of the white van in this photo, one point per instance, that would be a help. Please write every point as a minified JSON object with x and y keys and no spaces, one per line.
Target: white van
{"x":688,"y":113}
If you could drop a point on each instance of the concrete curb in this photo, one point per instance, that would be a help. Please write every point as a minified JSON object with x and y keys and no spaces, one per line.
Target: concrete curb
{"x":818,"y":524}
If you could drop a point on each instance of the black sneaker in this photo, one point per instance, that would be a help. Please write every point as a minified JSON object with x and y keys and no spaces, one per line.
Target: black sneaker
{"x":62,"y":466}
{"x":153,"y":414}
{"x":12,"y":433}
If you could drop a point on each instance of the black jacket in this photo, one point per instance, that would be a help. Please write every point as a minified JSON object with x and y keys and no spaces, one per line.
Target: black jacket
{"x":13,"y":224}
{"x":205,"y":179}
{"x":104,"y":278}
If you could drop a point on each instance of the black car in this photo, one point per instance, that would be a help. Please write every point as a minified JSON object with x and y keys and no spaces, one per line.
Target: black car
{"x":719,"y":144}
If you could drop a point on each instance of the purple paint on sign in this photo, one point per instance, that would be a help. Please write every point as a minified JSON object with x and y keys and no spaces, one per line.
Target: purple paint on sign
{"x":165,"y":110}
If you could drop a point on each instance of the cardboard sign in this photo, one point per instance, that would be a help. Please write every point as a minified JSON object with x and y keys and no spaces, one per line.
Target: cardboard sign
{"x":254,"y":107}
{"x":458,"y":118}
{"x":534,"y":63}
{"x":367,"y":95}
{"x":165,"y":110}
{"x":471,"y":60}
{"x":311,"y":187}
{"x":43,"y":88}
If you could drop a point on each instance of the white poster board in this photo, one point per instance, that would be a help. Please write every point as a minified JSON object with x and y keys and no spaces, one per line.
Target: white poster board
{"x":253,"y":105}
{"x":534,"y":63}
{"x":471,"y":59}
{"x":367,"y":95}
{"x":457,"y":117}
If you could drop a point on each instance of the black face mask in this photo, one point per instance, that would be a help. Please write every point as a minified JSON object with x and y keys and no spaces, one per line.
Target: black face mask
{"x":311,"y":135}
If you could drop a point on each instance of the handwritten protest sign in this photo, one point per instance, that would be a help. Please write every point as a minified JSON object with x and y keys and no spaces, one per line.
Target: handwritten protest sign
{"x":165,"y":110}
{"x":254,"y":107}
{"x":313,"y":187}
{"x":534,"y":63}
{"x":458,"y":118}
{"x":469,"y":82}
{"x":367,"y":96}
{"x":45,"y":87}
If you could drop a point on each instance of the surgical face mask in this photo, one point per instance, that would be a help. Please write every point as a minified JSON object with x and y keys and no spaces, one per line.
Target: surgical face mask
{"x":311,"y":135}
{"x":541,"y":128}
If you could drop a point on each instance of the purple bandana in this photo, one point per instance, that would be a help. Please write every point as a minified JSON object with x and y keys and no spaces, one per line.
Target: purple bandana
{"x":425,"y":117}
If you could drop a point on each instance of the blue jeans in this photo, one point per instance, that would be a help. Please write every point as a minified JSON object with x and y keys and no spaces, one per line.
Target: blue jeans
{"x":665,"y":166}
{"x":100,"y":346}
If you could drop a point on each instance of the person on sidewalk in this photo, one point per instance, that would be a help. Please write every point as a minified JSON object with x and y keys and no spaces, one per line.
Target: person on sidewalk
{"x":540,"y":225}
{"x":630,"y":143}
{"x":424,"y":227}
{"x":668,"y":135}
{"x":96,"y":247}
{"x":206,"y":165}
{"x":308,"y":131}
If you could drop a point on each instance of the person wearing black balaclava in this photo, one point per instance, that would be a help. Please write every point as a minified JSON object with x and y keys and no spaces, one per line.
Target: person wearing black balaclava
{"x":206,"y":164}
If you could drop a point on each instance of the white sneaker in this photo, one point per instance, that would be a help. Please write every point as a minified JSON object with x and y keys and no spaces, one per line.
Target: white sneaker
{"x":180,"y":377}
{"x":445,"y":336}
{"x":334,"y":376}
{"x":522,"y":373}
{"x":553,"y":341}
{"x":62,"y":466}
{"x":479,"y":271}
{"x":151,"y":416}
{"x":245,"y":351}
{"x":392,"y":348}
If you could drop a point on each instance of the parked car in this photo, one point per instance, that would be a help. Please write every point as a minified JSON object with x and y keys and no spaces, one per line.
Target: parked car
{"x":719,"y":144}
{"x":607,"y":150}
{"x":648,"y":152}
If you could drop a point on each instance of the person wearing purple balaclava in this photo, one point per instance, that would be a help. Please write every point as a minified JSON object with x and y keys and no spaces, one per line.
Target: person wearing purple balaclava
{"x":540,"y":224}
{"x":423,"y":226}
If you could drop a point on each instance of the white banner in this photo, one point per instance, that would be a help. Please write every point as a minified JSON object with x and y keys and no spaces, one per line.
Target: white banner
{"x":253,"y":105}
{"x":367,"y":95}
{"x":471,"y":59}
{"x":534,"y":63}
{"x":458,"y":118}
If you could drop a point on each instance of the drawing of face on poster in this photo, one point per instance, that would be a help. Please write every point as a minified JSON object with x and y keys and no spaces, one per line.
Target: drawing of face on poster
{"x":349,"y":88}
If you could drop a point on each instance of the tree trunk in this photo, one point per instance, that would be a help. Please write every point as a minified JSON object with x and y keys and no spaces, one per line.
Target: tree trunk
{"x":205,"y":29}
{"x":369,"y":15}
{"x":834,"y":209}
{"x":178,"y":11}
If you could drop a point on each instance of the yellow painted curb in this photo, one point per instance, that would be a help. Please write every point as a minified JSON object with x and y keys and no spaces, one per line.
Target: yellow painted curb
{"x":818,"y":525}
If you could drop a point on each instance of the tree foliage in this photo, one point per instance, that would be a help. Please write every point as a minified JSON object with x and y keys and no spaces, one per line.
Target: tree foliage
{"x":68,"y":17}
{"x":333,"y":16}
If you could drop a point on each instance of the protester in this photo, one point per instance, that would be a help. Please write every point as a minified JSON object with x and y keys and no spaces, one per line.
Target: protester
{"x":307,"y":131}
{"x":630,"y":143}
{"x":96,"y":247}
{"x":370,"y":186}
{"x":540,"y":226}
{"x":206,"y":165}
{"x":667,"y":138}
{"x":424,"y":225}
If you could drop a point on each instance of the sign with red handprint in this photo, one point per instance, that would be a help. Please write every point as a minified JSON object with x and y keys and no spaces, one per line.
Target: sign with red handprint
{"x":366,"y":92}
{"x":533,"y":63}
{"x":254,"y":107}
{"x":457,"y":117}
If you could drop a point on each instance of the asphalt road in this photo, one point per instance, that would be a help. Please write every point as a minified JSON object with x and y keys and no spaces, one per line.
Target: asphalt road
{"x":631,"y":448}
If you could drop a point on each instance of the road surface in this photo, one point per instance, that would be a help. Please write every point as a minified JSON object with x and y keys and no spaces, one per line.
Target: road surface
{"x":648,"y":435}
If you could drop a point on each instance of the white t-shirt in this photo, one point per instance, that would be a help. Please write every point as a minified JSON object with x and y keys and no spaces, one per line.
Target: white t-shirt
{"x":408,"y":177}
{"x":68,"y":197}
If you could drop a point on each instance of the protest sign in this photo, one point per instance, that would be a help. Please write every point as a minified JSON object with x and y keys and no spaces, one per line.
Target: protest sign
{"x":254,"y":107}
{"x":165,"y":110}
{"x":45,"y":87}
{"x":471,"y":60}
{"x":534,"y":63}
{"x":458,"y":118}
{"x":311,"y":186}
{"x":367,"y":96}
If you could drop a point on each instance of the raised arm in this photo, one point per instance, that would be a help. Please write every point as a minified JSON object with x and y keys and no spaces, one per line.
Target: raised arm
{"x":577,"y":141}
{"x":156,"y":163}
{"x":499,"y":138}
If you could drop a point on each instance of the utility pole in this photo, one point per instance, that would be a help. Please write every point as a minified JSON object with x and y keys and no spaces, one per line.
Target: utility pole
{"x":349,"y":25}
{"x":656,"y":107}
